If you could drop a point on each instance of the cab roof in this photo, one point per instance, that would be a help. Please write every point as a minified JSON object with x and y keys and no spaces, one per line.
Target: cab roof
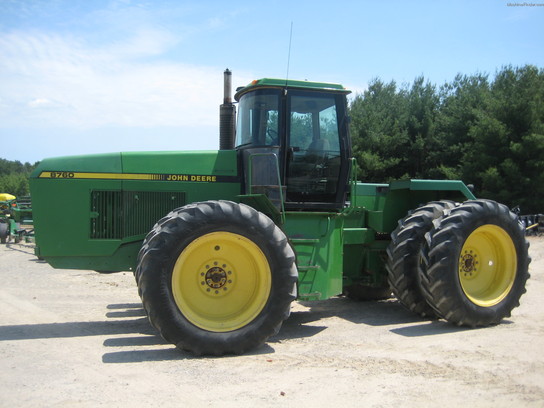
{"x":290,"y":83}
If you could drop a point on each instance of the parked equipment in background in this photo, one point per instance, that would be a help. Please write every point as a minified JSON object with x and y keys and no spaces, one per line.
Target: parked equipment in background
{"x":15,"y":219}
{"x":533,"y":224}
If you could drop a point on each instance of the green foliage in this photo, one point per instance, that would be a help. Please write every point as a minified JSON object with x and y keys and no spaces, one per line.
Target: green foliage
{"x":14,"y":177}
{"x":378,"y":131}
{"x":487,"y":133}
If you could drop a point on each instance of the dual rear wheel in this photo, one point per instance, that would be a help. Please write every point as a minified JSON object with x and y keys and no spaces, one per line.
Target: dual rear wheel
{"x":465,"y":263}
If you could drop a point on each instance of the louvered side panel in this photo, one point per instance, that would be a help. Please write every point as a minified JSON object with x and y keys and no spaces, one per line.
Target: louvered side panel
{"x":106,"y":220}
{"x":142,"y":209}
{"x":117,"y":215}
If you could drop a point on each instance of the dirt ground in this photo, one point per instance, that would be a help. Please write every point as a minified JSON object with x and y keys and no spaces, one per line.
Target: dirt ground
{"x":80,"y":339}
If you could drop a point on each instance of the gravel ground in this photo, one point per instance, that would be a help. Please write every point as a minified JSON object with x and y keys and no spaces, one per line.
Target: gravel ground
{"x":80,"y":339}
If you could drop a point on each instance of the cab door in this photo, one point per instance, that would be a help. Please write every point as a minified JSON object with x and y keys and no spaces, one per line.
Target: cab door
{"x":317,"y":153}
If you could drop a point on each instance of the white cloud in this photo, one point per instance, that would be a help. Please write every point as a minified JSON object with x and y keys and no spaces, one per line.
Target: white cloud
{"x":53,"y":80}
{"x":40,"y":102}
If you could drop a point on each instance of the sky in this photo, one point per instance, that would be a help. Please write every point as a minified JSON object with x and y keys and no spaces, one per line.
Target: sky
{"x":83,"y":77}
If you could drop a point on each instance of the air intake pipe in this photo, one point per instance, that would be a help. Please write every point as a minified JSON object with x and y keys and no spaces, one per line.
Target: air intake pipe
{"x":227,"y":115}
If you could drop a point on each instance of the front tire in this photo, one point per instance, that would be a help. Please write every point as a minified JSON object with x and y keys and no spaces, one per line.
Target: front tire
{"x":216,"y":277}
{"x":477,"y":264}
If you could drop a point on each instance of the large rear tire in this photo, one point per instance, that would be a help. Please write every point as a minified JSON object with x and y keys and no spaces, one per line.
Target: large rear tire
{"x":216,"y":277}
{"x":403,"y":255}
{"x":477,"y":264}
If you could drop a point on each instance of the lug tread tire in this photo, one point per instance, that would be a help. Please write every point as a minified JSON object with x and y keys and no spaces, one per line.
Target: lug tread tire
{"x":3,"y":232}
{"x":403,"y":255}
{"x":439,"y":271}
{"x":178,"y":229}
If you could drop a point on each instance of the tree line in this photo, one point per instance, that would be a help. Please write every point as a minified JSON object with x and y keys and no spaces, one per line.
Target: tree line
{"x":488,"y":132}
{"x":14,"y":177}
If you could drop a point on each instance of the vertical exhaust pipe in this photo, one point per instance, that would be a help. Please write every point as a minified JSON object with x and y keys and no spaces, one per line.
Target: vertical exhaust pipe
{"x":227,"y":115}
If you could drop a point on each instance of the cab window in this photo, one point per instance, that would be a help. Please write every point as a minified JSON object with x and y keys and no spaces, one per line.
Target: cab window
{"x":314,"y":154}
{"x":258,"y":119}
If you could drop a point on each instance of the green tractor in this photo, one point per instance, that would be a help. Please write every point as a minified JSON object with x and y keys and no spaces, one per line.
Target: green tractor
{"x":221,"y":242}
{"x":15,"y":218}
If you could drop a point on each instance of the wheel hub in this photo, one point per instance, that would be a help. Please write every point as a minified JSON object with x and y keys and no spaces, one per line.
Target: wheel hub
{"x":217,"y":278}
{"x":468,"y":264}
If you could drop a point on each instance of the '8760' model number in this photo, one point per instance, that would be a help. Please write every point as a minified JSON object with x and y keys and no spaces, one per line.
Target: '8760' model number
{"x":61,"y":174}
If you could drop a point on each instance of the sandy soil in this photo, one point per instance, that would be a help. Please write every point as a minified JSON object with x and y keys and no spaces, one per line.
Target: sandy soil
{"x":80,"y":339}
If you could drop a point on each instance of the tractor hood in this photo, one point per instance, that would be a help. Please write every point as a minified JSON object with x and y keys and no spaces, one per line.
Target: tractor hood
{"x":158,"y":166}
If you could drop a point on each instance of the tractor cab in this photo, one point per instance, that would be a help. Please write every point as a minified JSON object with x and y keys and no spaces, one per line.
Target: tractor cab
{"x":293,"y":141}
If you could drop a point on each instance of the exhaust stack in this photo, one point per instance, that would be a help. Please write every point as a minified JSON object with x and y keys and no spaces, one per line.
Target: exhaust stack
{"x":227,"y":115}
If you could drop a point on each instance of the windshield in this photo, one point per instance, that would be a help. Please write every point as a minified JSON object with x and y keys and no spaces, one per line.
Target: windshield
{"x":258,"y":119}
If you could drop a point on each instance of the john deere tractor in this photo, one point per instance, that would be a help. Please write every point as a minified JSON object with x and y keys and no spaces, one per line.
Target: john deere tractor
{"x":221,"y":242}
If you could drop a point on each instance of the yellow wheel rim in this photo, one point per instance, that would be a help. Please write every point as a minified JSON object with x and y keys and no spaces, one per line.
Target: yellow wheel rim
{"x":487,"y":265}
{"x":221,"y":281}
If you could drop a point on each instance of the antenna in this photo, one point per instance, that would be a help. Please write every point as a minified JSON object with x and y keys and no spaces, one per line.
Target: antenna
{"x":289,"y":53}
